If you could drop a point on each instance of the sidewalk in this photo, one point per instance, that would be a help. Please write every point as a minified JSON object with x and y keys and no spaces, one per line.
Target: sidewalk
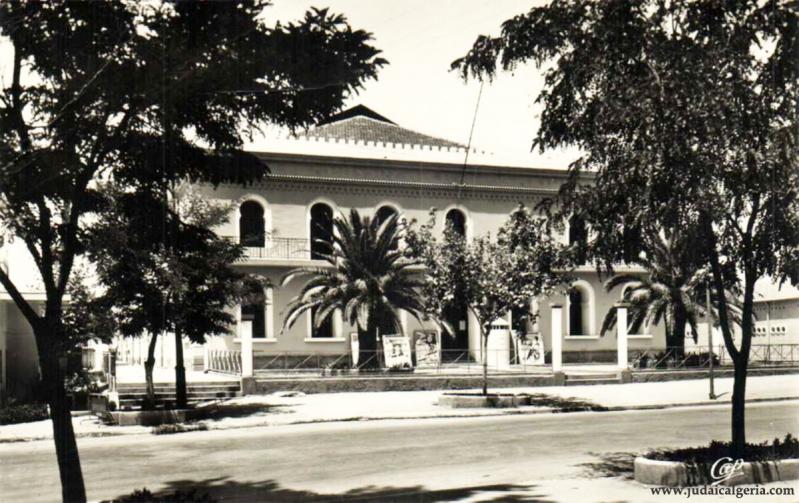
{"x":290,"y":408}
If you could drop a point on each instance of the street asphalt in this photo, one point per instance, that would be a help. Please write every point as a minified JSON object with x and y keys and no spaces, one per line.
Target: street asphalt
{"x":432,"y":460}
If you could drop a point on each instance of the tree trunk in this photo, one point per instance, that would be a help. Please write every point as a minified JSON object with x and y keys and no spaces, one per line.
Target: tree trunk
{"x":149,"y":399}
{"x":484,"y":342}
{"x":367,"y":349}
{"x":739,"y":408}
{"x":69,"y":468}
{"x":678,"y":333}
{"x":741,"y":361}
{"x":180,"y":372}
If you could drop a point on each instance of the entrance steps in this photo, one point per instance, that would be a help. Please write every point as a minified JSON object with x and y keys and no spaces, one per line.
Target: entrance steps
{"x":133,"y":394}
{"x":584,"y":379}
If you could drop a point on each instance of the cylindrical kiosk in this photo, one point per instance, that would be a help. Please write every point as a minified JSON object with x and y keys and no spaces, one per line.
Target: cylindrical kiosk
{"x":498,"y":346}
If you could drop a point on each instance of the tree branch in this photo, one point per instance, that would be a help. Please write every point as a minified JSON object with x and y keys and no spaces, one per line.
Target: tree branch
{"x":18,"y":299}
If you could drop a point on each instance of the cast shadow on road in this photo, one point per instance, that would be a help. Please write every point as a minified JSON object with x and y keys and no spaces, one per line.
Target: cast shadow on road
{"x":223,"y":490}
{"x":610,"y":464}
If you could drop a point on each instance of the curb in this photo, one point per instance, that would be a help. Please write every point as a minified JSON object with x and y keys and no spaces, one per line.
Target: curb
{"x":694,"y":404}
{"x":497,"y":413}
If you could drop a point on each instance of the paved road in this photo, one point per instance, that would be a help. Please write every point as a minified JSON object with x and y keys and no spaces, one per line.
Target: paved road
{"x":379,"y":460}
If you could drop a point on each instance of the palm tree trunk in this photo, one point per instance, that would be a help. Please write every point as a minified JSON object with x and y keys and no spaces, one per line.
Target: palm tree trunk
{"x":149,"y":364}
{"x":678,"y":334}
{"x":367,"y":349}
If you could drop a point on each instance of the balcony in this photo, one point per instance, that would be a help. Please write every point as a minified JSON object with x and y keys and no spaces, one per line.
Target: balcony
{"x":278,"y":249}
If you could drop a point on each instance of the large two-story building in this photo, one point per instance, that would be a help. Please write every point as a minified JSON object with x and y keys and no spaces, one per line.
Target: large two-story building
{"x":360,"y":159}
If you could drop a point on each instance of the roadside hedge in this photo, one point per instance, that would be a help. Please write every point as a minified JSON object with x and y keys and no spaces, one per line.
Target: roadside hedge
{"x":23,"y":413}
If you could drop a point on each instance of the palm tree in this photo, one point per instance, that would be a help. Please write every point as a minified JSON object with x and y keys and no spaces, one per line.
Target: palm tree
{"x":673,"y":291}
{"x":368,"y":278}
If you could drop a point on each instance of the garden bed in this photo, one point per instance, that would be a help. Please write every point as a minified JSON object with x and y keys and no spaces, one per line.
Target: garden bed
{"x":478,"y":400}
{"x":715,"y":464}
{"x":507,"y":400}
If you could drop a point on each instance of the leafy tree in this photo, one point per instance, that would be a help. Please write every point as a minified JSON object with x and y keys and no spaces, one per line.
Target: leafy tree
{"x":491,"y":277}
{"x":686,"y":116}
{"x":369,"y":278}
{"x":143,"y":94}
{"x":177,"y":279}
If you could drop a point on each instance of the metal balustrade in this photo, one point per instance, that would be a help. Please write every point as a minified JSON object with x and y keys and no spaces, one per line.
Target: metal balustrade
{"x":279,"y":248}
{"x":223,"y":360}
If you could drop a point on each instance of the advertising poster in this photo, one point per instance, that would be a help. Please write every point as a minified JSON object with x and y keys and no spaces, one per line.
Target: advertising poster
{"x":426,"y":346}
{"x":397,"y":351}
{"x":531,"y":350}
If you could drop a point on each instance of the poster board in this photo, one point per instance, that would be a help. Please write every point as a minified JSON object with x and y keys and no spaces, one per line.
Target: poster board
{"x":530,"y":349}
{"x":397,"y":351}
{"x":426,"y":346}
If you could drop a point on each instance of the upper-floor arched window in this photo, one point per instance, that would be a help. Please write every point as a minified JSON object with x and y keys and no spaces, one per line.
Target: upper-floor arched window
{"x":578,"y":235}
{"x":321,"y":230}
{"x":252,"y":224}
{"x":456,"y":219}
{"x":384,"y":213}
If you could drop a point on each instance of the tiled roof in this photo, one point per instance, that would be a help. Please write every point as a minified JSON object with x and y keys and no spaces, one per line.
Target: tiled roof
{"x":362,"y":125}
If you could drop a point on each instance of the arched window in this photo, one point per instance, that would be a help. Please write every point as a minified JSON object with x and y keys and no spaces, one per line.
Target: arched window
{"x":576,"y":312}
{"x":253,"y":309}
{"x":384,"y":213}
{"x":633,"y":326}
{"x":457,"y":220}
{"x":325,"y":330}
{"x":251,"y":225}
{"x":578,"y":236}
{"x":321,"y":230}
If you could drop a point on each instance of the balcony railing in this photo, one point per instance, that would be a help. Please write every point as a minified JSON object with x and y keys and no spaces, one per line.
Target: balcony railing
{"x":279,"y":248}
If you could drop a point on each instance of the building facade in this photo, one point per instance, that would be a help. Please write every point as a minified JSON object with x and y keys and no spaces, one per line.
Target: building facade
{"x":360,"y":160}
{"x":364,"y":161}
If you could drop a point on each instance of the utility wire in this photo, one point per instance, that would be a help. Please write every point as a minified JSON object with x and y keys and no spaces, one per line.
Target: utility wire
{"x":469,"y":143}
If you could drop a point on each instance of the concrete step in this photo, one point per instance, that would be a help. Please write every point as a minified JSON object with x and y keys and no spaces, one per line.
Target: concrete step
{"x":168,"y":394}
{"x":140,"y":388}
{"x":135,"y":400}
{"x":584,"y":380}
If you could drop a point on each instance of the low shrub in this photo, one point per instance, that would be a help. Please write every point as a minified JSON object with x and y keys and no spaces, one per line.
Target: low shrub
{"x":145,"y":496}
{"x":788,"y":448}
{"x":23,"y":413}
{"x":169,"y":429}
{"x":564,"y":404}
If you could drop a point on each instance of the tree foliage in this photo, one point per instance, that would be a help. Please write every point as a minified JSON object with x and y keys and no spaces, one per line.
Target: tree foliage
{"x":492,"y":277}
{"x":672,"y":291}
{"x":143,"y":95}
{"x":686,"y":116}
{"x":368,"y":278}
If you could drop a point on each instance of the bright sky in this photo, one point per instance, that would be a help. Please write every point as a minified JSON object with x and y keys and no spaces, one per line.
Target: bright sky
{"x":420,"y":38}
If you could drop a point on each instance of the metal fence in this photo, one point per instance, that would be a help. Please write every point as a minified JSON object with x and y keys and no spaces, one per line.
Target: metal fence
{"x":503,"y":361}
{"x":441,"y":362}
{"x":700,"y":356}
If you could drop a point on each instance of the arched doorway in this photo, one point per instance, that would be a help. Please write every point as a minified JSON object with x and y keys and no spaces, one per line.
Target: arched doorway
{"x":456,"y":345}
